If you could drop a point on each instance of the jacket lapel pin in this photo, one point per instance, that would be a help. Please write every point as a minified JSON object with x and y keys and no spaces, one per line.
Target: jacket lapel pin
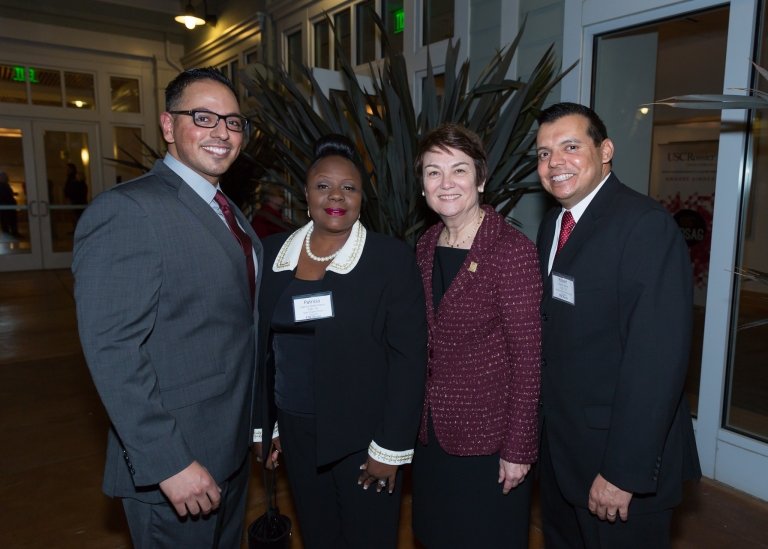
{"x":472,"y":267}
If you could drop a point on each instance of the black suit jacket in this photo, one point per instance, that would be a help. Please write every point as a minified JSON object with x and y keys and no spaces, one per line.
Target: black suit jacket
{"x":614,"y":362}
{"x":370,"y":358}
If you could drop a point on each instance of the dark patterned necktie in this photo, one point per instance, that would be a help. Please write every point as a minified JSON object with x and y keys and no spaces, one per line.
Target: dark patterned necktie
{"x":566,"y":226}
{"x":242,"y":238}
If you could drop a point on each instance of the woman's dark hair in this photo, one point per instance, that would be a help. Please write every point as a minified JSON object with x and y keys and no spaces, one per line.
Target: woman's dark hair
{"x":457,"y":137}
{"x":334,"y":144}
{"x":176,"y":87}
{"x":596,"y":129}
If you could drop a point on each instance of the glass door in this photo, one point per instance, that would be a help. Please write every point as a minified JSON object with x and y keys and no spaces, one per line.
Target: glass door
{"x":50,"y":178}
{"x":699,"y":165}
{"x":669,"y":154}
{"x":20,"y":237}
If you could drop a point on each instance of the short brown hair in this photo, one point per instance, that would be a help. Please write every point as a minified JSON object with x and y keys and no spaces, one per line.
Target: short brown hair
{"x":457,"y":137}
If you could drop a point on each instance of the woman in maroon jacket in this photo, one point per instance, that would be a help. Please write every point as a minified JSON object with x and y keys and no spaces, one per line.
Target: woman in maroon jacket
{"x":479,"y":428}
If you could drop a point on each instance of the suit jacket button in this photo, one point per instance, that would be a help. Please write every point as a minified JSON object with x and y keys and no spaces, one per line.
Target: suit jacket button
{"x":544,"y":317}
{"x":543,"y":362}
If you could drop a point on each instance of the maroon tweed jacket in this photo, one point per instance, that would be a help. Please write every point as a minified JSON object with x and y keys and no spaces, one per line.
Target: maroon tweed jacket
{"x":484,"y":346}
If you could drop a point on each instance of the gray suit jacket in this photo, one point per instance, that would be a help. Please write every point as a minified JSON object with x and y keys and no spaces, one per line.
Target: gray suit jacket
{"x":168,"y":331}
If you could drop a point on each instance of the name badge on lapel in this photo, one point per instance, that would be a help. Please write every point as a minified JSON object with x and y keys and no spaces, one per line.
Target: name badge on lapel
{"x":563,"y":288}
{"x":312,"y":306}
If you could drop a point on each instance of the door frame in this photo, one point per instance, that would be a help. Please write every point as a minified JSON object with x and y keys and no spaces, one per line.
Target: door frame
{"x":729,"y":457}
{"x":34,"y":258}
{"x":42,"y":255}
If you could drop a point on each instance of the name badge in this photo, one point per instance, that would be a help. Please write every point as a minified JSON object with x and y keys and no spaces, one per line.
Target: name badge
{"x":563,"y":288}
{"x":312,"y":306}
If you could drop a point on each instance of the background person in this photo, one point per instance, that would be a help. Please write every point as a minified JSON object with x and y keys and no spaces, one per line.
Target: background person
{"x":165,"y":307}
{"x":8,"y":218}
{"x":343,"y":330}
{"x":617,"y":437}
{"x":479,"y":432}
{"x":268,"y":219}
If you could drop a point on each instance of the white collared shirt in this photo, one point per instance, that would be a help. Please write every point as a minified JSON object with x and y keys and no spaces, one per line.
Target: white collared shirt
{"x":577,"y":211}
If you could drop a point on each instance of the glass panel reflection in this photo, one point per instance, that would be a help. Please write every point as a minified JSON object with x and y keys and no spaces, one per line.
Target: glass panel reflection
{"x":322,"y":45}
{"x":366,"y":32}
{"x":438,"y":20}
{"x":13,"y":84}
{"x":125,"y":94}
{"x":747,"y":396}
{"x":682,"y":144}
{"x":46,"y":87}
{"x":14,"y":216}
{"x":343,"y":23}
{"x":129,"y":153}
{"x":80,"y":90}
{"x":67,"y":161}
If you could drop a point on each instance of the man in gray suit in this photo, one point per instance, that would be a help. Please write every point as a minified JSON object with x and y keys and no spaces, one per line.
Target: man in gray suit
{"x":165,"y":288}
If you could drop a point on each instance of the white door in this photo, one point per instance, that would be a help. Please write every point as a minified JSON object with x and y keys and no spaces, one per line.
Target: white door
{"x":50,"y":167}
{"x":694,"y":163}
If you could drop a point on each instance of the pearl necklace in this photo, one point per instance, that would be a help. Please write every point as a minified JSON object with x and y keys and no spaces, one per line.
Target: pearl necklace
{"x":472,"y":233}
{"x":317,"y":257}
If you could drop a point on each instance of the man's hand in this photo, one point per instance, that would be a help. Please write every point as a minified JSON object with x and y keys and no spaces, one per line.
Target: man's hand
{"x":192,"y":491}
{"x":607,"y":501}
{"x":512,"y":474}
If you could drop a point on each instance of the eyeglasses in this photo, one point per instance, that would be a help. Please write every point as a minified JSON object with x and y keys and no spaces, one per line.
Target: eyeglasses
{"x":208,"y":119}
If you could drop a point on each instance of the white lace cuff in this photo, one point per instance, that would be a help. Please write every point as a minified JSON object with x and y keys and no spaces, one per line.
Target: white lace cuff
{"x":390,"y":457}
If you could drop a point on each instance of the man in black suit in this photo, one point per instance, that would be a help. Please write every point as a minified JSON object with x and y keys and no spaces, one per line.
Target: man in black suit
{"x":617,"y":438}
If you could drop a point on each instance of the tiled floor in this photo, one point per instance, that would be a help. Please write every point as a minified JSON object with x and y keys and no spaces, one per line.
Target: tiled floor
{"x":52,"y":432}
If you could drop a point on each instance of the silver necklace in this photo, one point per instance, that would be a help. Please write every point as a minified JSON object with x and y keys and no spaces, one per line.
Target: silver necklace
{"x":317,"y":257}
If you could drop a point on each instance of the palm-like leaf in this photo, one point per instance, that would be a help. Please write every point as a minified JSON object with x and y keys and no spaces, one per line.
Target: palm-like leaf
{"x":387,"y":128}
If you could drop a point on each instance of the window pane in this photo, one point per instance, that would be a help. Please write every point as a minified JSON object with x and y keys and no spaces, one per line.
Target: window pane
{"x":80,"y":90}
{"x":125,"y":94}
{"x":322,"y":45}
{"x":294,"y":55}
{"x":128,"y":149}
{"x":673,"y":151}
{"x":343,"y":23}
{"x":13,"y":84}
{"x":235,"y":76}
{"x":438,"y":20}
{"x":46,"y":87}
{"x":366,"y":32}
{"x":747,"y":404}
{"x":67,"y":164}
{"x":394,"y":22}
{"x":14,"y":214}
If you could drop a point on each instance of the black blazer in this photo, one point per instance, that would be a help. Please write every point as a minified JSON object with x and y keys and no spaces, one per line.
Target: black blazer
{"x":370,"y":358}
{"x":614,"y":363}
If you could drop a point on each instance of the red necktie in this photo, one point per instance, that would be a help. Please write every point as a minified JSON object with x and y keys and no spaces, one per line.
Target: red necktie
{"x":242,"y":238}
{"x":567,"y":223}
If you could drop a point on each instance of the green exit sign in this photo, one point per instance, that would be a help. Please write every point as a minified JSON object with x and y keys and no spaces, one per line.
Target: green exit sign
{"x":399,"y":20}
{"x":25,"y":74}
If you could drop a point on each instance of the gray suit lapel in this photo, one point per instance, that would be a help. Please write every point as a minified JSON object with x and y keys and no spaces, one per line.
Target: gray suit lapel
{"x":213,"y":223}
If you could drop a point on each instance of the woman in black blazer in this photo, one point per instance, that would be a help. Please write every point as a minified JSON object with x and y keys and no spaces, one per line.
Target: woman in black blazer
{"x":343,"y":341}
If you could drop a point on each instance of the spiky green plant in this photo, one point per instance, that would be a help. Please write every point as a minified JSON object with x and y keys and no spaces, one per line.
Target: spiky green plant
{"x":289,"y":118}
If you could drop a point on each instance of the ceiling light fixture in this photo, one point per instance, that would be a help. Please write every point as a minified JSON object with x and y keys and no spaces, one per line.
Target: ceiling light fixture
{"x":190,"y":19}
